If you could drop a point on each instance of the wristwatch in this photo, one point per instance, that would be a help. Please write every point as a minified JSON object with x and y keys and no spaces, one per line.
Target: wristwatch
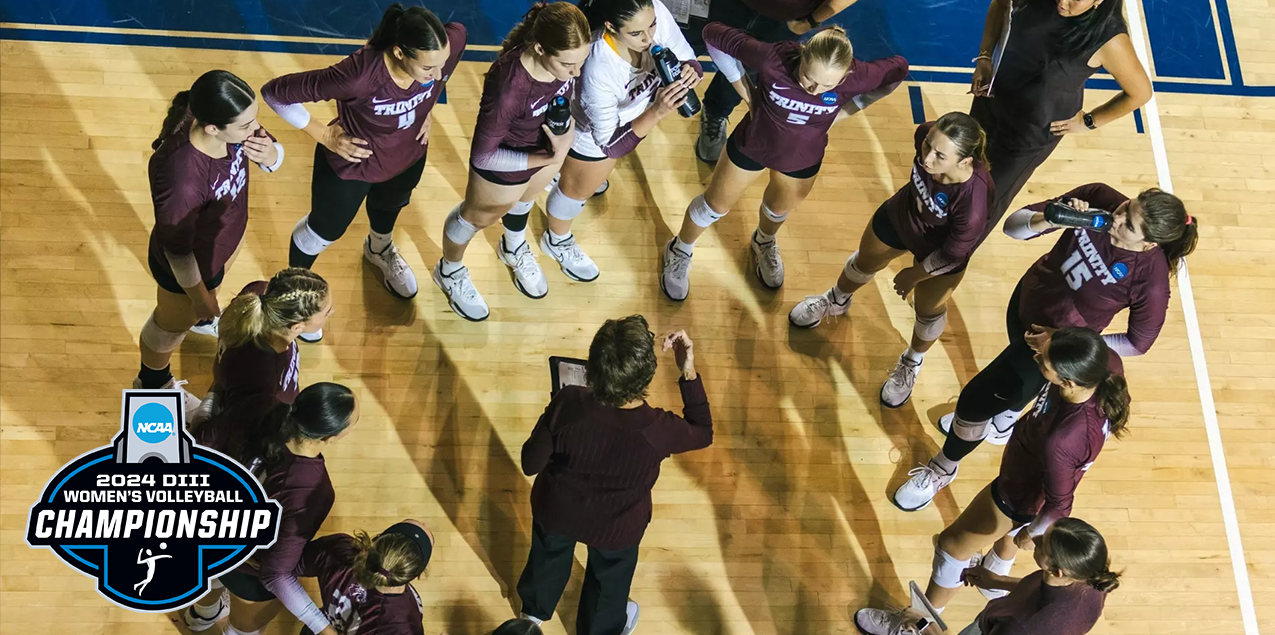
{"x":1088,"y":118}
{"x":810,"y":19}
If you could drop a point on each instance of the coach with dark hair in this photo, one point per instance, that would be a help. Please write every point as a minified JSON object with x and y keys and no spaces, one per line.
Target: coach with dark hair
{"x":597,"y":451}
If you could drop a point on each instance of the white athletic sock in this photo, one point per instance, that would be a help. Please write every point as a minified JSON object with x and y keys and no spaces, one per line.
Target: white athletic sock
{"x":948,"y":466}
{"x":556,"y":239}
{"x":207,"y":612}
{"x":840,"y":296}
{"x":515,"y":239}
{"x":995,"y":564}
{"x":448,"y":267}
{"x":762,"y":237}
{"x":913,"y":356}
{"x":685,"y":248}
{"x":378,"y":242}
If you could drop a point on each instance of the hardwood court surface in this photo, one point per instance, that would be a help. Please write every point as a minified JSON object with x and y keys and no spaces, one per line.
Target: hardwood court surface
{"x":784,"y":526}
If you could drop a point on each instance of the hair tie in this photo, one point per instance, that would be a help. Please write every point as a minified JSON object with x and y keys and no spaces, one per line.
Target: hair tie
{"x":1190,"y":220}
{"x":385,"y":574}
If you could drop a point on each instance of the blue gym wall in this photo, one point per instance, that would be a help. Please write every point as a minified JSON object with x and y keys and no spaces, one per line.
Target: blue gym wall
{"x":930,"y":33}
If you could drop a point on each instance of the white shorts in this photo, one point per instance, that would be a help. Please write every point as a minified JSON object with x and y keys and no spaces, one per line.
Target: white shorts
{"x":584,"y":145}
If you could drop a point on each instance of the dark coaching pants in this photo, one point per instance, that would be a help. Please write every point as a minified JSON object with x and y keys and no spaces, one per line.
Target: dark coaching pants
{"x":607,"y":578}
{"x":334,"y":201}
{"x":1011,"y":169}
{"x":1008,"y":383}
{"x":720,"y":98}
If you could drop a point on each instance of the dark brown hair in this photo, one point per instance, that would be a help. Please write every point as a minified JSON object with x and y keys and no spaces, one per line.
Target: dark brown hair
{"x":1165,"y":221}
{"x":556,"y":27}
{"x":1080,"y":356}
{"x":966,"y":134}
{"x":411,"y":30}
{"x":621,"y":361}
{"x":216,"y":98}
{"x":320,"y":411}
{"x":1079,"y":552}
{"x":520,"y":626}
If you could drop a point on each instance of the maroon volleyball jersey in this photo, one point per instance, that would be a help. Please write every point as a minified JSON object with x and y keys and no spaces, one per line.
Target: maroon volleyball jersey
{"x":370,"y":106}
{"x":784,"y":10}
{"x":201,"y":203}
{"x":1050,"y":451}
{"x":940,"y":224}
{"x":1085,"y":280}
{"x":1035,"y":608}
{"x":786,"y":128}
{"x":513,"y":108}
{"x":352,"y":608}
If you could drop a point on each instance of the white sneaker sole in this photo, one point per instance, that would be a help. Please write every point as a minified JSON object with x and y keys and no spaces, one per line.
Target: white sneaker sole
{"x":438,"y":280}
{"x":545,"y":248}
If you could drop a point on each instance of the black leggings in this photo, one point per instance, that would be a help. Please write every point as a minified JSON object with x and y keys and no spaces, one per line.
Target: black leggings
{"x":1010,"y":382}
{"x":608,"y":575}
{"x":720,"y":98}
{"x":1011,"y":168}
{"x":334,"y":202}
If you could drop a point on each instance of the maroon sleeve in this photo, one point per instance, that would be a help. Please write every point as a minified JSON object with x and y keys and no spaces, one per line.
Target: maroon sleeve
{"x":537,"y":449}
{"x":969,"y":221}
{"x":457,"y":39}
{"x":341,"y":81}
{"x":500,"y":103}
{"x":1148,"y":306}
{"x":918,"y":138}
{"x":874,"y":80}
{"x":1064,"y":454}
{"x":1096,"y":194}
{"x":672,"y":434}
{"x":180,"y":191}
{"x":281,"y":559}
{"x":320,"y":556}
{"x":699,"y":68}
{"x":750,"y":51}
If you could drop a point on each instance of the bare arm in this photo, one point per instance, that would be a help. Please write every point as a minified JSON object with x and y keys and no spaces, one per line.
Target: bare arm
{"x":1119,"y":58}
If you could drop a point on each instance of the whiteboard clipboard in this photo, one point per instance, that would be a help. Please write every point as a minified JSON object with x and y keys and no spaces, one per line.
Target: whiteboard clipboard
{"x":565,"y":371}
{"x":922,"y":605}
{"x":999,"y":51}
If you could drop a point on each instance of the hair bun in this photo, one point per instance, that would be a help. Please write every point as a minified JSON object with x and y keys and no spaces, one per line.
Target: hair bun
{"x":1107,"y":581}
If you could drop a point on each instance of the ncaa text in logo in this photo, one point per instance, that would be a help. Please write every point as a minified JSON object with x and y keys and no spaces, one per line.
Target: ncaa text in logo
{"x":153,"y":516}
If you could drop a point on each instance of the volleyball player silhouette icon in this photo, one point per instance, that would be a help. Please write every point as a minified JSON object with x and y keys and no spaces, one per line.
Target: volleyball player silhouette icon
{"x":149,"y":561}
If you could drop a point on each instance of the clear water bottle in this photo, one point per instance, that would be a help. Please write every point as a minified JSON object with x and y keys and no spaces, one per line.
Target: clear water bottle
{"x":669,"y":69}
{"x":1065,"y":215}
{"x":558,"y":117}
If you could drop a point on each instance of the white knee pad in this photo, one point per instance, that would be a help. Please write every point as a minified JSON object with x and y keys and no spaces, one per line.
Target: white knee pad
{"x":521,"y":208}
{"x":561,"y":206}
{"x":947,"y":570}
{"x":457,"y":229}
{"x":701,"y":214}
{"x":852,"y":272}
{"x":772,"y":215}
{"x":969,"y":430}
{"x":310,"y":243}
{"x":159,"y":340}
{"x":928,"y":329}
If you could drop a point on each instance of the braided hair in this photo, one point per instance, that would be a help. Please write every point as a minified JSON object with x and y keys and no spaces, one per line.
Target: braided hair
{"x":292,"y":296}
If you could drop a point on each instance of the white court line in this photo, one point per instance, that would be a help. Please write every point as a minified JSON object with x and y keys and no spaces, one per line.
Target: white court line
{"x":1242,"y":586}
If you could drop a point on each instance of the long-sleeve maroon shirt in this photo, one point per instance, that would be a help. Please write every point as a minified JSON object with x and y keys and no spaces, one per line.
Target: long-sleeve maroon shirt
{"x":510,"y":114}
{"x":596,"y":464}
{"x":1035,"y":608}
{"x":786,"y":128}
{"x":1085,"y":280}
{"x":941,"y":224}
{"x":369,"y":106}
{"x":352,"y":608}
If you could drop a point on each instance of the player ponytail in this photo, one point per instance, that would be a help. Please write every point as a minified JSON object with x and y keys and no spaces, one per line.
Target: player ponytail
{"x":831,"y":47}
{"x":1076,"y":550}
{"x":519,"y":626}
{"x":615,"y":12}
{"x":1165,"y":221}
{"x":1080,"y":355}
{"x":319,"y":412}
{"x":292,"y":297}
{"x":556,"y":27}
{"x":216,"y":98}
{"x":411,"y":30}
{"x":966,"y":134}
{"x":388,"y":560}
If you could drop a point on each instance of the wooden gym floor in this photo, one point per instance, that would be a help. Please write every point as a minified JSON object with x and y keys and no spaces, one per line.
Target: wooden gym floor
{"x":784,"y":526}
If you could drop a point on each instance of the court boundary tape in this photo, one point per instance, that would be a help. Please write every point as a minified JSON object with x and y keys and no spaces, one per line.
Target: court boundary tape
{"x":1239,"y":566}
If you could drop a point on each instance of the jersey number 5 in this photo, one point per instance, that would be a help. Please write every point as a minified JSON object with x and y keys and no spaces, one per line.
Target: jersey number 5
{"x":406,"y":120}
{"x":1076,"y":270}
{"x":798,"y":119}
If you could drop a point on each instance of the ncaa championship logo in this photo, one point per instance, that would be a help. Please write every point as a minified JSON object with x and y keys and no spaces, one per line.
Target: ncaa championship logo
{"x":153,"y":517}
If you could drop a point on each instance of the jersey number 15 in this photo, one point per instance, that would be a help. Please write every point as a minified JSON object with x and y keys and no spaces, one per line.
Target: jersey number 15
{"x":1076,"y":270}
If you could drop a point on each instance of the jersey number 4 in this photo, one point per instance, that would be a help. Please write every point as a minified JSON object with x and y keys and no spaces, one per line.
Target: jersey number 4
{"x":798,"y":119}
{"x":1076,"y":270}
{"x":406,"y":120}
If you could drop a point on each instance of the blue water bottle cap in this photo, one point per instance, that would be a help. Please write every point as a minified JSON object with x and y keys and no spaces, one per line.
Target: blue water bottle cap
{"x":1099,"y":221}
{"x":656,"y":49}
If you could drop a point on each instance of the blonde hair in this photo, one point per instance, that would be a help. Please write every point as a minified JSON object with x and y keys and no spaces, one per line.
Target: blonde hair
{"x":389,"y":560}
{"x":556,"y":27}
{"x":829,"y":46}
{"x":292,"y":296}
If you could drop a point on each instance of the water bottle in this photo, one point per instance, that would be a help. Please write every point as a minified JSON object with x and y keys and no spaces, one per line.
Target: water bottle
{"x":670,"y":70}
{"x":558,"y":117}
{"x":1062,"y":214}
